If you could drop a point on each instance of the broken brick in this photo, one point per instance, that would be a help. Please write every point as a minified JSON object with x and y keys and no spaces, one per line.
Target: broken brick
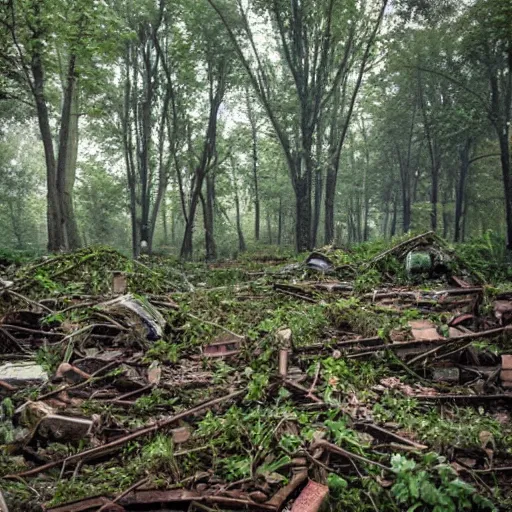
{"x":311,"y":498}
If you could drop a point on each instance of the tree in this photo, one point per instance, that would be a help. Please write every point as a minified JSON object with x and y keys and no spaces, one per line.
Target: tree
{"x":318,"y":47}
{"x":36,"y":36}
{"x":21,"y":180}
{"x":215,"y":61}
{"x":488,"y":45}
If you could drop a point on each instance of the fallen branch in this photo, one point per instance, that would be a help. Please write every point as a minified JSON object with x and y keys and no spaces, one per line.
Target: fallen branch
{"x":307,"y":393}
{"x":416,"y":296}
{"x":114,"y":445}
{"x":345,"y":453}
{"x":13,"y":340}
{"x":30,"y":331}
{"x":403,"y":245}
{"x":28,"y":301}
{"x":282,"y":494}
{"x":213,"y":324}
{"x":85,"y":383}
{"x":386,"y":435}
{"x":296,"y":295}
{"x":464,"y":398}
{"x":441,"y":342}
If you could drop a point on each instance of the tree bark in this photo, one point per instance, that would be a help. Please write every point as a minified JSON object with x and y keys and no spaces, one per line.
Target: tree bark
{"x":269,"y":228}
{"x":280,"y":222}
{"x":460,"y":192}
{"x":330,"y":194}
{"x":217,"y":75}
{"x":254,"y":137}
{"x":55,"y":238}
{"x":303,"y":212}
{"x":319,"y":183}
{"x":66,"y":164}
{"x":187,"y":244}
{"x":126,"y":125}
{"x":241,"y":240}
{"x":164,"y":222}
{"x":393,"y":220}
{"x":505,"y":169}
{"x":209,"y":218}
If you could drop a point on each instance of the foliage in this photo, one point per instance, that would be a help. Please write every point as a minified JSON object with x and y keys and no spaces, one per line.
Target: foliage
{"x":487,"y":256}
{"x":433,"y":485}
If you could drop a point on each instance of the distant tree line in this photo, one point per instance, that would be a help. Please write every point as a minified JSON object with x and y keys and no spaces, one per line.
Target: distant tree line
{"x":209,"y":127}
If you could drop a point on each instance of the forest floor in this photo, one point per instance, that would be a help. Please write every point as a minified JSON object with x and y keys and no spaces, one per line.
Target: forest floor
{"x":339,"y":379}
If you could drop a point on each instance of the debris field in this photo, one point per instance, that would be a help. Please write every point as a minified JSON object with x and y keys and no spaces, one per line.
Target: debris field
{"x":347,"y":380}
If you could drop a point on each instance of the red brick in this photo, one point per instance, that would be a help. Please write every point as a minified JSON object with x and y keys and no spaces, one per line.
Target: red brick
{"x":506,"y":362}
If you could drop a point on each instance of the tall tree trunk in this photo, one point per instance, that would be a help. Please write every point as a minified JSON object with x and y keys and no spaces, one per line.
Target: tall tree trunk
{"x":505,"y":170}
{"x":319,"y":183}
{"x":406,"y":212}
{"x":186,"y":246}
{"x":385,"y":222}
{"x":269,"y":227}
{"x":366,"y":198}
{"x":160,"y":195}
{"x":129,"y":107}
{"x":330,"y":194}
{"x":280,"y":222}
{"x":303,"y":213}
{"x":53,"y":209}
{"x":146,"y":129}
{"x":209,"y":218}
{"x":366,"y":226}
{"x":174,"y":215}
{"x":217,"y":89}
{"x":68,"y":150}
{"x":460,"y":191}
{"x":164,"y":222}
{"x":393,"y":220}
{"x":446,"y":215}
{"x":434,"y":198}
{"x":254,"y":137}
{"x":241,"y":240}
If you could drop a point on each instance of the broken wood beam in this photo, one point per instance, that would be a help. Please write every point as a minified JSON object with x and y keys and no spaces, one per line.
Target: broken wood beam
{"x":345,"y":453}
{"x":278,"y":499}
{"x":439,"y":342}
{"x":464,"y":399}
{"x":386,"y":435}
{"x":116,"y":444}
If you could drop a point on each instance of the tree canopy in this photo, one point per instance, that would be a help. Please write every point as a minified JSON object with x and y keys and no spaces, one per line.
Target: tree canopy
{"x":204,"y":128}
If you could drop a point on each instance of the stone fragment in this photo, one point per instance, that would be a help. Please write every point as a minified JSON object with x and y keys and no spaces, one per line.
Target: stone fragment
{"x":181,"y":434}
{"x":446,"y":374}
{"x":424,"y":330}
{"x":22,"y":373}
{"x":258,"y":496}
{"x":284,"y":338}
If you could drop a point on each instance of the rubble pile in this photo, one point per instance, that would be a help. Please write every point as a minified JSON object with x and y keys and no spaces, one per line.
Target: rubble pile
{"x":333,"y":383}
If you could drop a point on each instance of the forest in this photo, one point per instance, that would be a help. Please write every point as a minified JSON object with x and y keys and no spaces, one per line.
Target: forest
{"x":203,"y":128}
{"x":255,"y":255}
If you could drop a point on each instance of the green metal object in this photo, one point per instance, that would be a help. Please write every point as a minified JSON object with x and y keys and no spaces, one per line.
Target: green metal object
{"x":418,"y":262}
